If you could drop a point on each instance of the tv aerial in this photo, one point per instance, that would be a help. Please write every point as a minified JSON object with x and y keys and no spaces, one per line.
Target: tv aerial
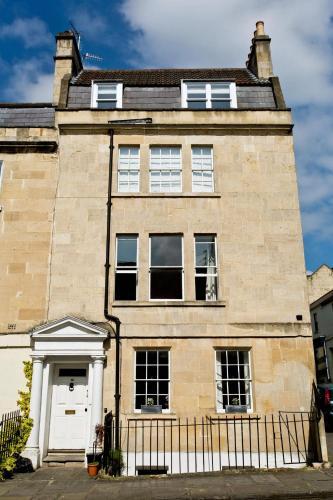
{"x":85,"y":55}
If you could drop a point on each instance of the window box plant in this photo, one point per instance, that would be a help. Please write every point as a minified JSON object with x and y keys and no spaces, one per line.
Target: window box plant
{"x":150,"y":407}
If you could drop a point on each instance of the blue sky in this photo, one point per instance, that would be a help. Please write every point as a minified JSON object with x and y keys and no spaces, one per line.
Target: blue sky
{"x":206,"y":33}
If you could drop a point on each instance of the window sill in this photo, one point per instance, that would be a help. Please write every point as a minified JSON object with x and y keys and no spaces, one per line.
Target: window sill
{"x":169,"y":303}
{"x":238,"y":416}
{"x":151,"y":416}
{"x":166,"y":195}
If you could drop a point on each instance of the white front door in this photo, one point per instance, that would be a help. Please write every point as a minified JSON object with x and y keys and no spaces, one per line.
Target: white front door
{"x":69,"y":408}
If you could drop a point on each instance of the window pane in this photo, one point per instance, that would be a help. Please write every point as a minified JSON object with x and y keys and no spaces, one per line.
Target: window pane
{"x":163,"y":387}
{"x":152,"y":357}
{"x":205,"y":288}
{"x":126,"y":251}
{"x":140,"y":372}
{"x":205,"y":253}
{"x":220,"y":104}
{"x":141,"y":357}
{"x":164,"y":401}
{"x":166,"y":250}
{"x":139,"y":400}
{"x":152,"y":372}
{"x":163,"y":357}
{"x":125,"y":287}
{"x":140,"y":387}
{"x":166,"y":284}
{"x":106,"y":104}
{"x":163,"y":372}
{"x":196,"y":104}
{"x":152,"y":387}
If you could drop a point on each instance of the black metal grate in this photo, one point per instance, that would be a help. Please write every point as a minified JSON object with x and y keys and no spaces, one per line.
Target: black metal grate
{"x":10,"y":432}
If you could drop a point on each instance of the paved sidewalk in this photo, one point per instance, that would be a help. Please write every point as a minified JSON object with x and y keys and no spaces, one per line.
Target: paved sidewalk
{"x":66,"y":483}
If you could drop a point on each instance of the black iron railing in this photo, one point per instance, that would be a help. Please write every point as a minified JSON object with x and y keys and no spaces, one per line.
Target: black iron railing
{"x":167,"y":445}
{"x":10,"y":432}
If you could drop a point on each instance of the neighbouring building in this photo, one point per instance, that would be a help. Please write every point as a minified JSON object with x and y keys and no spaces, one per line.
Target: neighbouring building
{"x":320,"y":286}
{"x":166,"y":198}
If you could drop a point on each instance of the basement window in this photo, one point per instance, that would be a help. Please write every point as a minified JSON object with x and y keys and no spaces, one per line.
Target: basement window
{"x":209,"y":95}
{"x":166,"y":267}
{"x":106,"y":95}
{"x":126,"y":267}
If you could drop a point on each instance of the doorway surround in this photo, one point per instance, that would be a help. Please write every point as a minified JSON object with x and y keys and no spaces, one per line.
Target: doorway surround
{"x":67,"y":342}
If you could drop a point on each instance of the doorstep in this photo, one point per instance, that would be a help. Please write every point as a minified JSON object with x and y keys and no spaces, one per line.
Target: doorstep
{"x":62,"y":458}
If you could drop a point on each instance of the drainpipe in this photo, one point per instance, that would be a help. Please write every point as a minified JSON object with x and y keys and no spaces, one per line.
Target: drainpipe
{"x":111,"y":317}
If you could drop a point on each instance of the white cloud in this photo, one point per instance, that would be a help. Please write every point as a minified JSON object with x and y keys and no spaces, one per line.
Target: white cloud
{"x":29,"y":82}
{"x":208,"y":33}
{"x":32,"y":31}
{"x":90,"y":24}
{"x":218,"y":33}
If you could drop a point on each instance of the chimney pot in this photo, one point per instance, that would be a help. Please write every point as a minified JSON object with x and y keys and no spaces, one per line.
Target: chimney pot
{"x":260,"y":31}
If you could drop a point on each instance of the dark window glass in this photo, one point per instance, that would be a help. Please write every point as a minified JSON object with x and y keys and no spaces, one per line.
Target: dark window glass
{"x":152,"y":372}
{"x":220,"y":104}
{"x":166,"y":250}
{"x":166,"y":284}
{"x":200,"y":287}
{"x":152,"y":357}
{"x":164,"y":401}
{"x":232,"y":357}
{"x":163,"y":372}
{"x":141,"y":387}
{"x":125,"y":288}
{"x":140,"y":400}
{"x":140,"y":372}
{"x":141,"y":357}
{"x":126,"y":251}
{"x":196,"y":104}
{"x":106,"y":104}
{"x":163,"y":357}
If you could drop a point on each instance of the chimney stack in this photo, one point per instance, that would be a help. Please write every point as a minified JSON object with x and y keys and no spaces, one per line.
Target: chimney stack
{"x":68,"y":63}
{"x":260,"y":60}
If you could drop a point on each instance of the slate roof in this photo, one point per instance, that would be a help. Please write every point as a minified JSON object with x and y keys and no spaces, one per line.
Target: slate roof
{"x":168,"y":77}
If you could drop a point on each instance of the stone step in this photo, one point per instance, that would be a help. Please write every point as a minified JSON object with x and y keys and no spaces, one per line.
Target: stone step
{"x":64,"y":459}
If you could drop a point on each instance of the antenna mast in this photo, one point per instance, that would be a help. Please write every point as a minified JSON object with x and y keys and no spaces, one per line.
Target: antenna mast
{"x":85,"y":55}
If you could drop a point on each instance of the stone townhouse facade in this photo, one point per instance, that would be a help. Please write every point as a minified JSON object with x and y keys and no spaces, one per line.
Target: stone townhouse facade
{"x":204,"y":267}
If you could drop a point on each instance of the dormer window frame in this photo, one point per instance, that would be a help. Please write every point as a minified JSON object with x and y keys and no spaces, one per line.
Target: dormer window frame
{"x":96,"y":84}
{"x":209,"y":97}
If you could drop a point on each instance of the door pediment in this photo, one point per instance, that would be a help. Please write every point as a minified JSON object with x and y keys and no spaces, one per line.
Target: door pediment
{"x":68,"y":336}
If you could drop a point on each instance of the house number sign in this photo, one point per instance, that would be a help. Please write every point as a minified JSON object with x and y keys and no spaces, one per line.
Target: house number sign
{"x":69,"y":412}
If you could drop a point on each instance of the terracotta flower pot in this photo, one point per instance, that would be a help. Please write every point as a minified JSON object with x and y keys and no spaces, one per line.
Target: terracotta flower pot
{"x":93,"y":469}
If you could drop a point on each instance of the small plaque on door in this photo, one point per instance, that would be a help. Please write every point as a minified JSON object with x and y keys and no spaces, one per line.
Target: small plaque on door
{"x":69,"y":412}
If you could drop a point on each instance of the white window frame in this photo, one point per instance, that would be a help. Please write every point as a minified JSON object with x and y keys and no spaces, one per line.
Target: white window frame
{"x":166,"y":410}
{"x":94,"y":93}
{"x":127,"y":269}
{"x":216,"y":275}
{"x":170,"y":170}
{"x":219,"y":408}
{"x":202,"y":170}
{"x":128,"y":170}
{"x":167,"y":267}
{"x":208,"y":83}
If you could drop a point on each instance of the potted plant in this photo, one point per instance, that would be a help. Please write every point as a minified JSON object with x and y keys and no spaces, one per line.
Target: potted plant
{"x":235,"y":407}
{"x":116,"y":462}
{"x":94,"y":464}
{"x":151,"y":407}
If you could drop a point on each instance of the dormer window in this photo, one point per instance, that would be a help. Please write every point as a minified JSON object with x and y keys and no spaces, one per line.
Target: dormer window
{"x":106,"y":95}
{"x":209,"y":95}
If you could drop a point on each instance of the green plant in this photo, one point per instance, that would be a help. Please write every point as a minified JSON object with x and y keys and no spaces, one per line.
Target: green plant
{"x":116,"y":462}
{"x":8,"y":464}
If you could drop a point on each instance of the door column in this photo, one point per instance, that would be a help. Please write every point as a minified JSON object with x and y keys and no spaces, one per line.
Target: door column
{"x":32,"y":449}
{"x":97,"y":395}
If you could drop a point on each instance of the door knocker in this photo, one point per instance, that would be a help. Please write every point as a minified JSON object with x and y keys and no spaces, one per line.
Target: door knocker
{"x":71,"y":386}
